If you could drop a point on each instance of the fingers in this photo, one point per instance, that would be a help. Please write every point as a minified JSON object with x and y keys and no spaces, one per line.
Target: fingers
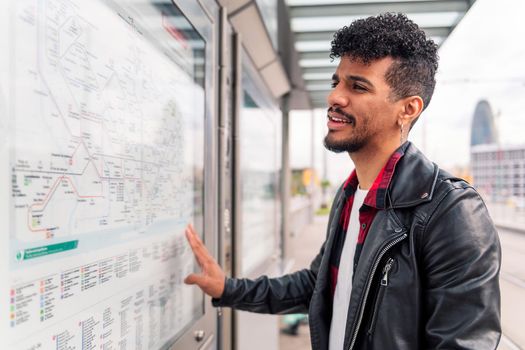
{"x":193,"y":237}
{"x":197,"y":238}
{"x":193,"y":232}
{"x":198,"y":248}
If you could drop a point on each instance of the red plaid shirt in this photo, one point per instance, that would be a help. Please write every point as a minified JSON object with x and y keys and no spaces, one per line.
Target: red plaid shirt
{"x":374,"y":201}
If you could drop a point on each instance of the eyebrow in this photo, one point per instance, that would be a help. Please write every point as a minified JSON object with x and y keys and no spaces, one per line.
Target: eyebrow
{"x":335,"y":77}
{"x":359,"y":78}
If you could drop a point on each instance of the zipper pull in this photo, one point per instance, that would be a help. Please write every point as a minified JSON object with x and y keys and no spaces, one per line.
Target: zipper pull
{"x":386,"y":270}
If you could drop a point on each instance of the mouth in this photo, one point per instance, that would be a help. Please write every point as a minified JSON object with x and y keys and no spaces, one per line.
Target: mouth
{"x":338,"y":119}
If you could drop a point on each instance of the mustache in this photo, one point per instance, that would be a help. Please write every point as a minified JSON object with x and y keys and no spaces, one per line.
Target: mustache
{"x":340,"y":112}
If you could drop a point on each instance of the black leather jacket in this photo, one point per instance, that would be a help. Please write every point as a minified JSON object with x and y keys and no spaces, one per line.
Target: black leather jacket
{"x":427,"y":276}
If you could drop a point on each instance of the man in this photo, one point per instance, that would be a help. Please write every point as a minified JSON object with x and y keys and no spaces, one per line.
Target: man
{"x":411,"y":259}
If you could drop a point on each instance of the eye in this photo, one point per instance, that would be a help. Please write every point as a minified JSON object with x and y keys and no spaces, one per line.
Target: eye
{"x":359,"y":87}
{"x":334,"y":84}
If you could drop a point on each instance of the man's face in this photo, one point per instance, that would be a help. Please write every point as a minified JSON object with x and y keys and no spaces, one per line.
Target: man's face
{"x":360,"y":112}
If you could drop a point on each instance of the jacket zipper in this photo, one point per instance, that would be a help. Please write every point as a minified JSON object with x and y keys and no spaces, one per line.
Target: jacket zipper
{"x":382,"y":287}
{"x":368,"y":285}
{"x":386,"y":271}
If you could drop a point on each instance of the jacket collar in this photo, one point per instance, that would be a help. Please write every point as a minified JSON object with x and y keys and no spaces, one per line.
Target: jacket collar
{"x":407,"y":179}
{"x":414,"y":180}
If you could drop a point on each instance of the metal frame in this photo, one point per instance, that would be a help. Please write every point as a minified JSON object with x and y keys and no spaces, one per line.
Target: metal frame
{"x":202,"y":333}
{"x":236,"y":193}
{"x":226,"y":104}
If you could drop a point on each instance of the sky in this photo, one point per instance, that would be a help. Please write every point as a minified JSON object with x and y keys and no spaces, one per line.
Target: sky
{"x":483,"y":58}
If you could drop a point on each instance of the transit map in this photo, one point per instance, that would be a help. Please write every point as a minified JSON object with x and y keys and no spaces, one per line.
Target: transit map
{"x":104,"y":155}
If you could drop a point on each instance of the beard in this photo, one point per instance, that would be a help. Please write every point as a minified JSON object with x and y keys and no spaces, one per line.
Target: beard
{"x":350,"y":143}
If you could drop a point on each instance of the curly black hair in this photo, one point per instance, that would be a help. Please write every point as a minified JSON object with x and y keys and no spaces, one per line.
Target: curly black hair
{"x":392,"y":34}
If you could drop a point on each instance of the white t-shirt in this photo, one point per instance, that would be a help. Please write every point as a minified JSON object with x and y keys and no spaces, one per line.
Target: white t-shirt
{"x":343,"y":288}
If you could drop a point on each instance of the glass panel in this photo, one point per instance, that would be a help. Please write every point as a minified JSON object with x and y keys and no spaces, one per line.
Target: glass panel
{"x":106,"y":162}
{"x":260,"y":131}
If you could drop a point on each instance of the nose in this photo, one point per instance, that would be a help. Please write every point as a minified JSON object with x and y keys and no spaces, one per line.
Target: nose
{"x":337,"y":97}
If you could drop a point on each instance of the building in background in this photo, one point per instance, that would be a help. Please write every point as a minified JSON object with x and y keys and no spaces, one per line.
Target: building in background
{"x":498,"y":171}
{"x":483,"y":129}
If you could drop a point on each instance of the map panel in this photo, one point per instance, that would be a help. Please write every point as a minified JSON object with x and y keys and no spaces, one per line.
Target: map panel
{"x":106,"y":165}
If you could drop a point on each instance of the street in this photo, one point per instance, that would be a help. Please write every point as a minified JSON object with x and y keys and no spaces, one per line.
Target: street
{"x":512,"y":282}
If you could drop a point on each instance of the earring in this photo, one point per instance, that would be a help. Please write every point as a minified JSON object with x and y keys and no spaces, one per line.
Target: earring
{"x":402,"y":133}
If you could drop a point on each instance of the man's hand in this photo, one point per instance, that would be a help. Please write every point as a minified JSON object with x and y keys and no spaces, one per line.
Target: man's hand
{"x":211,"y":280}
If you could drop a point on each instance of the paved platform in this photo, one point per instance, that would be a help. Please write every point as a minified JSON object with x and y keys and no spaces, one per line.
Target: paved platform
{"x":304,"y":247}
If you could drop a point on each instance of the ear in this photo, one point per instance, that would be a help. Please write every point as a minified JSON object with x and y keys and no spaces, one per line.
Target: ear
{"x":411,"y":108}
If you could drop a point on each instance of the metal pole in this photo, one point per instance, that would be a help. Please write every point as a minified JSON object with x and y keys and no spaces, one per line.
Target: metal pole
{"x":325,"y":177}
{"x":285,"y":179}
{"x":313,"y":197}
